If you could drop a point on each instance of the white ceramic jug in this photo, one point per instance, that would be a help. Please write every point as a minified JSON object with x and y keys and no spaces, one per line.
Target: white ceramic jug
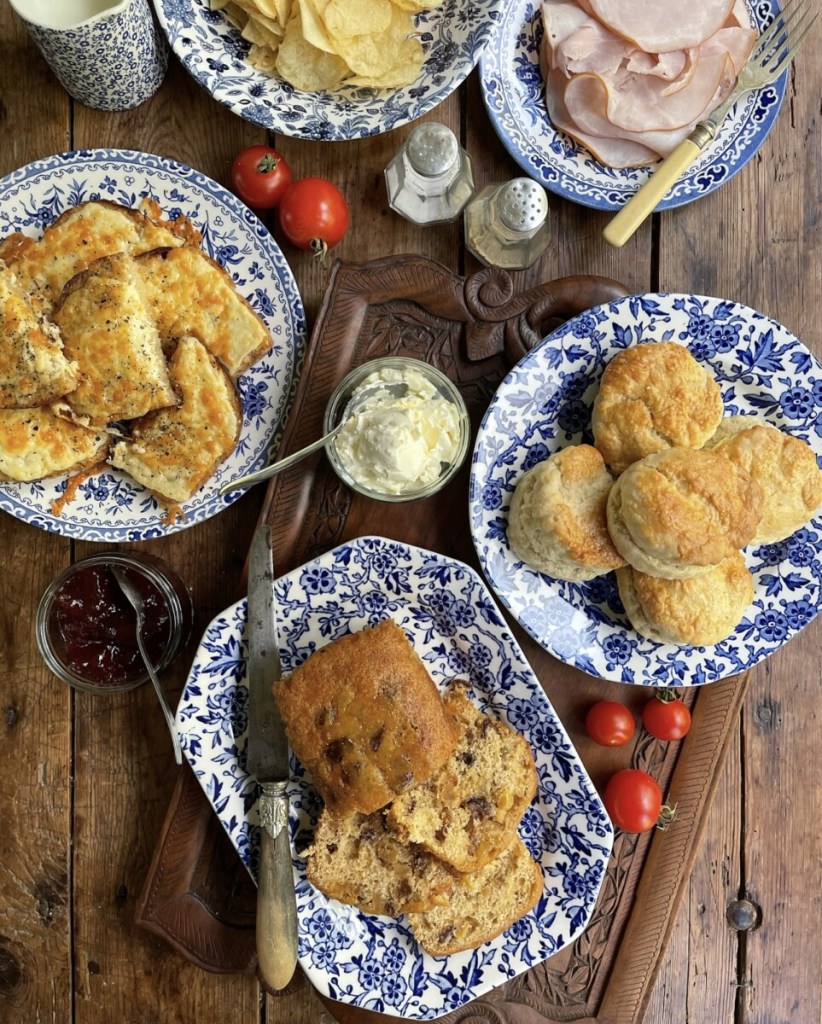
{"x":107,"y":55}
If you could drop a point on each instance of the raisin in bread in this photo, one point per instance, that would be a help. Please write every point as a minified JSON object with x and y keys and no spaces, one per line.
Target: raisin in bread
{"x":467,"y":813}
{"x":482,"y":904}
{"x":357,"y":860}
{"x":365,"y":719}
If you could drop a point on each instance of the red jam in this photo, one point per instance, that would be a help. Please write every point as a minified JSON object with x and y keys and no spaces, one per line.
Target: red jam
{"x":93,"y":627}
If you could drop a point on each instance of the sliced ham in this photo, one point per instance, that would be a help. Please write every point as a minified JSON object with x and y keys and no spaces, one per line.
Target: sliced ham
{"x":627,"y":103}
{"x":657,"y":26}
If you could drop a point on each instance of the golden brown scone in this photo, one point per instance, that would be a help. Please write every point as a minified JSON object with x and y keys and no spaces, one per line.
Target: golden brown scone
{"x":653,"y":397}
{"x":679,"y":512}
{"x":787,"y":471}
{"x":110,"y":334}
{"x":366,"y":719}
{"x":174,"y":451}
{"x":483,"y":904}
{"x":557,"y":519}
{"x":467,"y":813}
{"x":698,"y":611}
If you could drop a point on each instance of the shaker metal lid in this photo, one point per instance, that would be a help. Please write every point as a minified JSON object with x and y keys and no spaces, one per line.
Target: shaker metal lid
{"x":432,"y":148}
{"x":522,"y":204}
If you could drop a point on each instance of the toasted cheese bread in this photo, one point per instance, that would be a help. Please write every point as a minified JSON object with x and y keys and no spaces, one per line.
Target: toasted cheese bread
{"x":36,"y":443}
{"x":107,"y":330}
{"x":174,"y":451}
{"x":79,"y":236}
{"x":33,"y":369}
{"x":188,"y":293}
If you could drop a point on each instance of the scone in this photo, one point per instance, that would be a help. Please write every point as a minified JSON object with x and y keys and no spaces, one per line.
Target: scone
{"x":698,"y":611}
{"x":357,"y":860}
{"x":653,"y":397}
{"x":787,"y":471}
{"x":680,"y":512}
{"x":468,"y":812}
{"x":556,"y":523}
{"x":482,"y":904}
{"x":366,"y":719}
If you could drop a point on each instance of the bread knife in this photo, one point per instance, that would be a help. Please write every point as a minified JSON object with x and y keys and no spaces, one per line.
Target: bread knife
{"x":267,"y":760}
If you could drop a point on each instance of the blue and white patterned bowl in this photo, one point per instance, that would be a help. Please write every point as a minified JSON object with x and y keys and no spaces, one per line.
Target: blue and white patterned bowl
{"x":544,"y":404}
{"x":513,"y":91}
{"x":110,"y":506}
{"x":452,"y":36}
{"x":457,"y":629}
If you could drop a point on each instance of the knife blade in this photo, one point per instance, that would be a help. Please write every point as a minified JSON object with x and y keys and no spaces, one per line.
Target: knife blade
{"x":267,"y":760}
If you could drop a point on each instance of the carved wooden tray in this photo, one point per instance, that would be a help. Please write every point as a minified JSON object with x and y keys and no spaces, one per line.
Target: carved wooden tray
{"x":197,"y":896}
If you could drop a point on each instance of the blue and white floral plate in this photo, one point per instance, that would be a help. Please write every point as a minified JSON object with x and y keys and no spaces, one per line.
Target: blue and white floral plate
{"x":544,"y":404}
{"x":111,"y":506}
{"x":513,"y":90}
{"x":453,"y":36}
{"x":457,"y":629}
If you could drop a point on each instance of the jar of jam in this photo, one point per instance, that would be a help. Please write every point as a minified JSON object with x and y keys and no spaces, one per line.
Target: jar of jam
{"x":87,"y":630}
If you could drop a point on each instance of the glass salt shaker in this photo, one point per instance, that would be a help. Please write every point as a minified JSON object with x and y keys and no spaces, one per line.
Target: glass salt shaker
{"x":430,"y":179}
{"x":506,"y":224}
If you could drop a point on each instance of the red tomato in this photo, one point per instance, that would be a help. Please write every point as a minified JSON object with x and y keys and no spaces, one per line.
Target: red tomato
{"x":260,"y":177}
{"x":609,"y":723}
{"x":314,"y":215}
{"x":666,"y":717}
{"x":633,"y":800}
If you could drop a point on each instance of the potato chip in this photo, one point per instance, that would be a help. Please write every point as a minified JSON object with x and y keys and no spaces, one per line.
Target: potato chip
{"x":305,"y":66}
{"x":375,"y":55}
{"x":313,"y":26}
{"x":346,"y":18}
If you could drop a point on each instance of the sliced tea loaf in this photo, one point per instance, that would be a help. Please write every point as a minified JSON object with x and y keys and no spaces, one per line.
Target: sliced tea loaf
{"x":482,"y":904}
{"x":357,"y":860}
{"x":467,"y":813}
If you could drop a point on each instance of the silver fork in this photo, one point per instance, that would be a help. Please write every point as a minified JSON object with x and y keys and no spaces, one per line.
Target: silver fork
{"x":135,"y":599}
{"x":772,"y":53}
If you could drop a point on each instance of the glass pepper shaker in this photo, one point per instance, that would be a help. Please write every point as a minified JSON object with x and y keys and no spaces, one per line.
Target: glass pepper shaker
{"x":430,"y":179}
{"x":506,"y":224}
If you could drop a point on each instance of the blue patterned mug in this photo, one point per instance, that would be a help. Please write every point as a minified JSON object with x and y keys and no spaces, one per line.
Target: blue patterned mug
{"x":107,"y":55}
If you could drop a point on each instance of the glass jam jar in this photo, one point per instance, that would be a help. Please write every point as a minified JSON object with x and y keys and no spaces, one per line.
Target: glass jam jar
{"x":87,"y":630}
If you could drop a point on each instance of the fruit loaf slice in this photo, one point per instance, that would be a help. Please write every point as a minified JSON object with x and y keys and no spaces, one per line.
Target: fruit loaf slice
{"x":468,"y":811}
{"x":357,"y":860}
{"x":482,"y":904}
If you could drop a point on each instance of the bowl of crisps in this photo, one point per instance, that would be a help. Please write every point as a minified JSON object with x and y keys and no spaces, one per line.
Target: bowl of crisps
{"x":329,"y":69}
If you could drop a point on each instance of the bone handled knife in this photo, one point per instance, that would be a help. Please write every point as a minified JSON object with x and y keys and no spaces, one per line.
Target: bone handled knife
{"x":267,"y":760}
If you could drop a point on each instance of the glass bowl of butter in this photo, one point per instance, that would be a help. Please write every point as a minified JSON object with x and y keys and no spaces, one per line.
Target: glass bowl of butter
{"x":401,"y":429}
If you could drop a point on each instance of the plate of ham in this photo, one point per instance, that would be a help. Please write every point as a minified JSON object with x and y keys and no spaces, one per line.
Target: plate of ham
{"x":587,"y":95}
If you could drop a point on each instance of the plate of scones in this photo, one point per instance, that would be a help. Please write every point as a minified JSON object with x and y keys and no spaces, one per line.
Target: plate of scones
{"x":151,"y":334}
{"x":645,"y":489}
{"x":446,"y":836}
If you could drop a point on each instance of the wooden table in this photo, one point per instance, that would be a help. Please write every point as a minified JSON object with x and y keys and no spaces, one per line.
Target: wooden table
{"x":86,"y":781}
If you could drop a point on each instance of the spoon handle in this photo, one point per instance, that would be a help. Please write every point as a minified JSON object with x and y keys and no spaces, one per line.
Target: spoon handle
{"x":155,"y":681}
{"x":282,"y":464}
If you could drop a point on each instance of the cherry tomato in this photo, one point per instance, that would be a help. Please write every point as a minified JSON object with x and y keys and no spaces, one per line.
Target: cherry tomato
{"x":314,"y":215}
{"x":260,"y":177}
{"x":666,"y":717}
{"x":609,"y":723}
{"x":633,"y":800}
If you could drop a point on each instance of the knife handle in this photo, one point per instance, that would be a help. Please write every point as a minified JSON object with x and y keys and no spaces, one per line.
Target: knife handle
{"x":642,"y":203}
{"x":276,"y":899}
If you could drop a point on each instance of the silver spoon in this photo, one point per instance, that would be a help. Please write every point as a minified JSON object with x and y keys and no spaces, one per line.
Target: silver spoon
{"x":394,"y":388}
{"x":135,"y":599}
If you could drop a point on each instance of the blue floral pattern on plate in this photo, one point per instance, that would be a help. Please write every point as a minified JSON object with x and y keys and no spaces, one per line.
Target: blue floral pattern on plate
{"x":111,"y":506}
{"x":544,"y":404}
{"x":513,"y":91}
{"x":453,"y":36}
{"x":457,"y":629}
